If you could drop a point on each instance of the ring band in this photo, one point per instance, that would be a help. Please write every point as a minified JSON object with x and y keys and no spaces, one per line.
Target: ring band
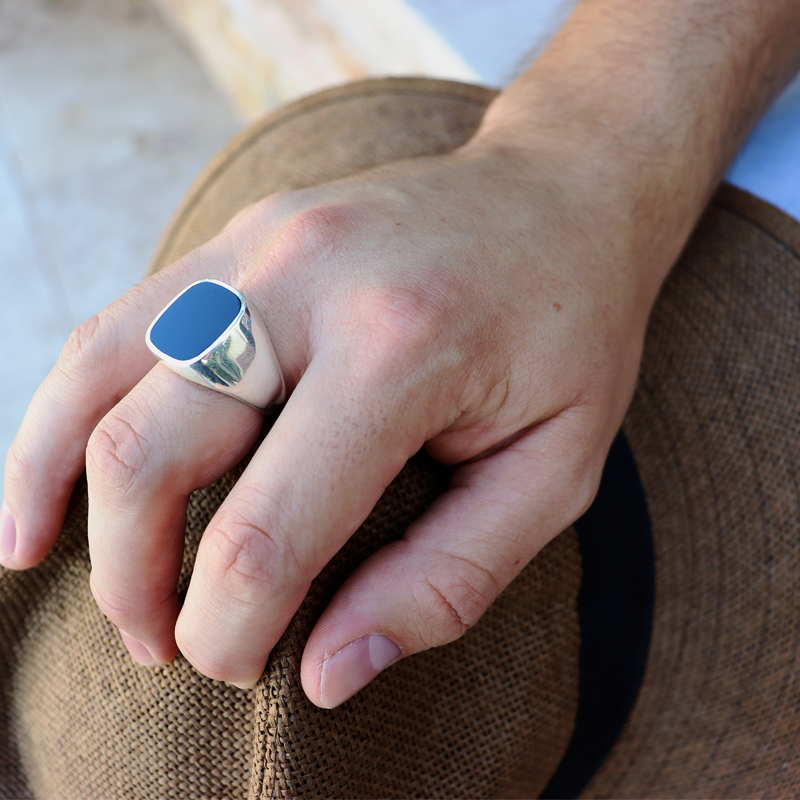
{"x":208,"y":334}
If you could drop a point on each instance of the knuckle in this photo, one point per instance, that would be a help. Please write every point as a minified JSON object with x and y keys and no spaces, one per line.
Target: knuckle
{"x":585,"y":494}
{"x":83,"y":345}
{"x":241,"y":215}
{"x":261,"y":211}
{"x":20,"y":469}
{"x":276,"y":204}
{"x":450,"y":599}
{"x":578,"y":460}
{"x":581,"y":487}
{"x":397,"y":326}
{"x":129,"y":610}
{"x":250,"y":557}
{"x":118,"y":451}
{"x":208,"y":654}
{"x":209,"y":661}
{"x":400,"y":316}
{"x":310,"y":234}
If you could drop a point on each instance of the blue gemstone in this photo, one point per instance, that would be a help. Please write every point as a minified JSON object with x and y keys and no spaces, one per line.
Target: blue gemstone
{"x":195,"y":320}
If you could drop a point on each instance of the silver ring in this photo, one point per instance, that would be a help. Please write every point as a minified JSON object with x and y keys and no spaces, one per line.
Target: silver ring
{"x":208,"y":334}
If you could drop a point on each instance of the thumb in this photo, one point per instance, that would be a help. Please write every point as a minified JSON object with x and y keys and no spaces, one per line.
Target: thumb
{"x":430,"y":587}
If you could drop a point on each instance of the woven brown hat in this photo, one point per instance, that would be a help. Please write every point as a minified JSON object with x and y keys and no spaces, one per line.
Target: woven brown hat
{"x":650,"y":651}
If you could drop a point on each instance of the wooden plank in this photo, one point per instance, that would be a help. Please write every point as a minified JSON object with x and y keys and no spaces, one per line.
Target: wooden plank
{"x":264,"y":52}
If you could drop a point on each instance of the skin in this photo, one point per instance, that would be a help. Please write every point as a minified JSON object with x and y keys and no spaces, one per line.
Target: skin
{"x":489,"y":305}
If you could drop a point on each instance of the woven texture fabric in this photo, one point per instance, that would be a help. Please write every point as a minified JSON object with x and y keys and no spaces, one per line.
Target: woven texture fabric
{"x":488,"y":716}
{"x":80,"y":719}
{"x":715,"y":428}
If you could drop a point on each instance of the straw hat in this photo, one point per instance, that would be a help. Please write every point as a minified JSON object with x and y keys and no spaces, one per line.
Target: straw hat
{"x":650,"y":651}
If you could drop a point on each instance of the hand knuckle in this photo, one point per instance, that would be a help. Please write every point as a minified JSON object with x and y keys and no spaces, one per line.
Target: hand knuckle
{"x":311,"y":234}
{"x":117,"y":452}
{"x":130,"y":610}
{"x":260,"y":212}
{"x":396,"y":329}
{"x":80,"y":353}
{"x":207,"y":661}
{"x":250,"y":557}
{"x":275,"y":204}
{"x":451,"y":598}
{"x":585,"y":494}
{"x":400,"y":317}
{"x":20,"y":469}
{"x":581,"y":489}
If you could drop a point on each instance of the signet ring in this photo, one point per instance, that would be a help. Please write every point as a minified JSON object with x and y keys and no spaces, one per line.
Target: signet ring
{"x":208,"y":334}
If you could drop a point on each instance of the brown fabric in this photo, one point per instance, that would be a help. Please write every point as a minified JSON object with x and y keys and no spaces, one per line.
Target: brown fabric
{"x":489,"y":716}
{"x":714,"y":428}
{"x":81,"y":719}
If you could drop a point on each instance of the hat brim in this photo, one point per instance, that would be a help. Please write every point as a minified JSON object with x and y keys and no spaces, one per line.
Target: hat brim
{"x":714,"y":429}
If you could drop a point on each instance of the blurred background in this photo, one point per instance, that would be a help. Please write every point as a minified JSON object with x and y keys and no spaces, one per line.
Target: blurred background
{"x":110,"y":108}
{"x":105,"y":118}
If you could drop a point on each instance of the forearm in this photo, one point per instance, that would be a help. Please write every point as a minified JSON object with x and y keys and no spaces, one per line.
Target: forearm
{"x":649,"y":100}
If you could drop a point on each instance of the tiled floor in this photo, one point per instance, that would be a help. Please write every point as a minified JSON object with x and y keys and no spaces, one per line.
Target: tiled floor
{"x":105,"y":119}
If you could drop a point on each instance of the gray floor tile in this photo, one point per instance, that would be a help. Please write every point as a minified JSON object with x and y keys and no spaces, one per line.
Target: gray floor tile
{"x":106,"y":120}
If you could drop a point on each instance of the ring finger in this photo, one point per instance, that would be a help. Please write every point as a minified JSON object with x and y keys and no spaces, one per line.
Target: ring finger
{"x":167,"y":438}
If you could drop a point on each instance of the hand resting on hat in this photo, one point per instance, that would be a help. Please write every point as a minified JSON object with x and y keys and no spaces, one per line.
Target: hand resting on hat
{"x":489,"y":305}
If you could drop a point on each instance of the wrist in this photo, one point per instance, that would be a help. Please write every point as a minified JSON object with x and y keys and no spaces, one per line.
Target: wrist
{"x":643,"y":105}
{"x":631,"y":164}
{"x":596,"y":189}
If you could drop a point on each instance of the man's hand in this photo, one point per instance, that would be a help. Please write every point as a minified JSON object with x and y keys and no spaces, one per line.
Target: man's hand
{"x":489,"y":305}
{"x":444,"y":302}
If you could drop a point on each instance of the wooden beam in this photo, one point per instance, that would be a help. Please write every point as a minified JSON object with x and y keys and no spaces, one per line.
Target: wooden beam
{"x":264,"y":52}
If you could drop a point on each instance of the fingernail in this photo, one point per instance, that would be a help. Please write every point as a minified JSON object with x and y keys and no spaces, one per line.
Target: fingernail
{"x":353,"y":667}
{"x":242,"y":684}
{"x":139,"y":652}
{"x":8,"y":534}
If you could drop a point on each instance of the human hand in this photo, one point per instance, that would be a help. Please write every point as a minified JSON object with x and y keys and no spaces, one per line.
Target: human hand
{"x":444,"y":300}
{"x":489,"y":305}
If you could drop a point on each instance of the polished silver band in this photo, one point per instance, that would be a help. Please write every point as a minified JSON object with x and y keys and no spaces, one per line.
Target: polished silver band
{"x":240,"y":362}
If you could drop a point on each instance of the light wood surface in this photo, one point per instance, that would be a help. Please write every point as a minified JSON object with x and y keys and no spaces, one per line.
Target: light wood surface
{"x":265,"y":52}
{"x":105,"y":120}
